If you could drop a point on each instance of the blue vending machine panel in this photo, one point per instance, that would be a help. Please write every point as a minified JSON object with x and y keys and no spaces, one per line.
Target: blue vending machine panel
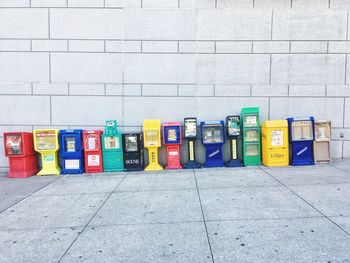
{"x":172,"y":135}
{"x":301,"y":137}
{"x":213,"y":138}
{"x":71,"y":151}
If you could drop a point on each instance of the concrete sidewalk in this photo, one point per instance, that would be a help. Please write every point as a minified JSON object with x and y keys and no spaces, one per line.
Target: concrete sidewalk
{"x":253,"y":214}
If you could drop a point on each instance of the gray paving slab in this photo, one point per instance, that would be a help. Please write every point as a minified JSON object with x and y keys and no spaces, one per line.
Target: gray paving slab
{"x":25,"y":186}
{"x":35,"y":245}
{"x":345,"y":168}
{"x":158,"y":181}
{"x":149,"y":207}
{"x":51,"y":211}
{"x":318,"y":174}
{"x":153,"y":215}
{"x":9,"y":200}
{"x":342,"y":164}
{"x":184,"y":242}
{"x":3,"y":173}
{"x":253,"y":203}
{"x":82,"y":185}
{"x":233,"y":177}
{"x":332,"y":200}
{"x":293,"y":240}
{"x":336,"y":162}
{"x":343,"y":222}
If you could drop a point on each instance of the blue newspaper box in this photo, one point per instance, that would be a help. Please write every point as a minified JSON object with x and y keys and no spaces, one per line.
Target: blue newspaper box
{"x":301,"y":137}
{"x":71,"y":151}
{"x":213,"y":138}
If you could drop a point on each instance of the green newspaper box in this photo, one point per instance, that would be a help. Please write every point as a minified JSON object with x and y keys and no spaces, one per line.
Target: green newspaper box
{"x":112,"y":148}
{"x":251,"y":136}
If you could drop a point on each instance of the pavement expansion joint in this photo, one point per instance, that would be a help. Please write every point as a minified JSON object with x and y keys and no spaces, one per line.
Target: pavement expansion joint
{"x":308,"y":203}
{"x":92,"y":217}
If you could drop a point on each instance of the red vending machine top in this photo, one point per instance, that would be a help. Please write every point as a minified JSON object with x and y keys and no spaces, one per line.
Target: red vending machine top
{"x":19,"y":148}
{"x":92,"y":151}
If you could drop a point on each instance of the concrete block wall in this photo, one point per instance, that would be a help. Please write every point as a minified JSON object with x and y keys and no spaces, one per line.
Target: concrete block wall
{"x":76,"y":63}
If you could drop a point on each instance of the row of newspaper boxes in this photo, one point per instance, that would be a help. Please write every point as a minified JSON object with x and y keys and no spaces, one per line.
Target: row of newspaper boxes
{"x":295,"y":141}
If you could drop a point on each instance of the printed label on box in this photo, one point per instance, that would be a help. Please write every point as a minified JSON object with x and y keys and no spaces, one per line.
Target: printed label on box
{"x":72,"y":164}
{"x":94,"y":160}
{"x":49,"y":159}
{"x":277,"y":138}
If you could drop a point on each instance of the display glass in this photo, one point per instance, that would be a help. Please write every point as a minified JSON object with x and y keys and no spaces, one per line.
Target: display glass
{"x":251,"y":136}
{"x":171,"y":135}
{"x":152,"y":138}
{"x":277,"y":138}
{"x":322,"y":131}
{"x":233,"y":126}
{"x":302,"y":131}
{"x":46,"y":140}
{"x":131,"y":143}
{"x":14,"y":144}
{"x":92,"y":142}
{"x":252,"y":150}
{"x":69,"y":143}
{"x":190,"y":128}
{"x":111,"y":142}
{"x":213,"y":134}
{"x":250,"y":120}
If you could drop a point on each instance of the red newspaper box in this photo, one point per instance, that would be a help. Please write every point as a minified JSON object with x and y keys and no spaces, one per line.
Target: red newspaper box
{"x":172,"y":139}
{"x":19,"y":148}
{"x":92,"y":151}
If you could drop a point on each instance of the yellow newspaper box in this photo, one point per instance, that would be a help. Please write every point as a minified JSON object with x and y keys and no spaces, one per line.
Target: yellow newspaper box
{"x":275,"y":145}
{"x":46,"y":143}
{"x":152,"y":141}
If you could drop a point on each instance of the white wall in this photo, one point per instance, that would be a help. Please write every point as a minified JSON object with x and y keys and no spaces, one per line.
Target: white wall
{"x":75,"y":63}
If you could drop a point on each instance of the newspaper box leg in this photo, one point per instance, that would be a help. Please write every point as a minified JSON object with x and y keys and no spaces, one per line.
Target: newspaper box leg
{"x":153,"y":161}
{"x":50,"y":164}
